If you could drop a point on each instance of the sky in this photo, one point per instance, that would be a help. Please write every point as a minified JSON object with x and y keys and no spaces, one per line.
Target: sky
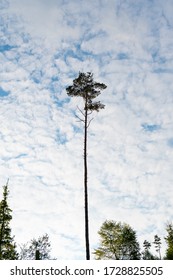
{"x":126,"y":44}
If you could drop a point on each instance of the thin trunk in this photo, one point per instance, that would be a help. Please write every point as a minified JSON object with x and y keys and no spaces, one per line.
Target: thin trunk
{"x":86,"y":188}
{"x":159,"y":254}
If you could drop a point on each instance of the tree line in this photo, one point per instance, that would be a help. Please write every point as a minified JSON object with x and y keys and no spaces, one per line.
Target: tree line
{"x":118,"y":241}
{"x":35,"y":249}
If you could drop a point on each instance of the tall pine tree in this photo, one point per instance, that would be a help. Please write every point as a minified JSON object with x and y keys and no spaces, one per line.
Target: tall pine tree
{"x":84,"y":86}
{"x":7,"y":245}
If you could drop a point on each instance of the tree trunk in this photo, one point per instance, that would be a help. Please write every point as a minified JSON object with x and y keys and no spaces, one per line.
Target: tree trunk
{"x":86,"y":188}
{"x":37,"y":255}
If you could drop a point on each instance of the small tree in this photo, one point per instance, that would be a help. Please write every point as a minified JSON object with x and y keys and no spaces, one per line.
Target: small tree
{"x":118,"y":242}
{"x":36,"y":249}
{"x":146,"y":254}
{"x":85,"y":87}
{"x":169,"y":242}
{"x":157,"y":242}
{"x":7,"y":245}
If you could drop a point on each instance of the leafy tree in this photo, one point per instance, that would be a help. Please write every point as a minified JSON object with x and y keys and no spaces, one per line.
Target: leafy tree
{"x":169,"y":242}
{"x":118,"y":242}
{"x":7,"y":245}
{"x":157,"y":242}
{"x":84,"y":86}
{"x":146,"y":254}
{"x":36,"y":249}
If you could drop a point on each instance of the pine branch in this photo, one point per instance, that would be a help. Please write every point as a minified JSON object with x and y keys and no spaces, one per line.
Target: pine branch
{"x":89,"y":122}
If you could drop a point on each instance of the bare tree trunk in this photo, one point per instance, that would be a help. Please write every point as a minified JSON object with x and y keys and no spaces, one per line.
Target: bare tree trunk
{"x":86,"y":188}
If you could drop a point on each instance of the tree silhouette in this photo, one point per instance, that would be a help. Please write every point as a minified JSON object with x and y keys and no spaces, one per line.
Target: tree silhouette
{"x":157,"y":242}
{"x":85,"y":87}
{"x":36,"y":249}
{"x":169,"y":241}
{"x":146,"y":254}
{"x":7,"y":245}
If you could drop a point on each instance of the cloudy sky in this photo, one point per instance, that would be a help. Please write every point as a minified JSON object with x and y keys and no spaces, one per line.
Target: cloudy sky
{"x":126,"y":44}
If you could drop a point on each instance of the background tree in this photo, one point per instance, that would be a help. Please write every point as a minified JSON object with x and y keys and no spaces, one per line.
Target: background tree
{"x":36,"y":249}
{"x":169,"y":242}
{"x":146,"y":254}
{"x":157,"y":242}
{"x":84,"y":86}
{"x":7,"y":245}
{"x":118,"y":242}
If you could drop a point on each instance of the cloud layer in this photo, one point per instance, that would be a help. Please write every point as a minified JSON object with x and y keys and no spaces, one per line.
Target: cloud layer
{"x":128,"y":46}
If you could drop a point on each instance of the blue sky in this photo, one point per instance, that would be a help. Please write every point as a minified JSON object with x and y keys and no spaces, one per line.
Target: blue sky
{"x":128,"y":45}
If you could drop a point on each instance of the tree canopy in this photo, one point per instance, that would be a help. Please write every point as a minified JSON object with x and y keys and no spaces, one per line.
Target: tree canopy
{"x":84,"y":86}
{"x":36,"y":249}
{"x":117,"y":242}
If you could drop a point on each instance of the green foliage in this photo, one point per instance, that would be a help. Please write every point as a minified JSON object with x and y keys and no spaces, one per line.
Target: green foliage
{"x":7,"y":245}
{"x":118,"y":242}
{"x":85,"y":87}
{"x":146,"y":254}
{"x":169,"y":242}
{"x":38,"y":249}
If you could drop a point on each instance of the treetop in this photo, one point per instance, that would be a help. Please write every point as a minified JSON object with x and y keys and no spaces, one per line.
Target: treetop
{"x":85,"y":87}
